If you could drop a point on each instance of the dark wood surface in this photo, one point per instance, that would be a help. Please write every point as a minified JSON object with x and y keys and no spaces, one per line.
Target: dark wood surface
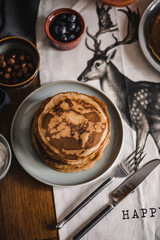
{"x":26,"y":205}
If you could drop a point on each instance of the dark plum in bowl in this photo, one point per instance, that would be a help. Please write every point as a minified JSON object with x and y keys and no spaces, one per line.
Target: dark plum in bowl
{"x":65,"y":28}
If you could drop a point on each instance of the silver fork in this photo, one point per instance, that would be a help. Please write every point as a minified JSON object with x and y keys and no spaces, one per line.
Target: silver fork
{"x":125,"y":168}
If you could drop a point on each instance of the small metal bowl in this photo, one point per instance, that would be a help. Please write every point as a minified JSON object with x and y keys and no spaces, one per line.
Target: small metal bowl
{"x":64,"y":46}
{"x":14,"y":43}
{"x":5,"y":168}
{"x":150,"y":13}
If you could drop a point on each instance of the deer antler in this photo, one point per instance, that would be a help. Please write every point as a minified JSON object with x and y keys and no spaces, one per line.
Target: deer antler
{"x":132,"y":29}
{"x":133,"y":22}
{"x":106,"y":25}
{"x":97,"y":43}
{"x":105,"y":22}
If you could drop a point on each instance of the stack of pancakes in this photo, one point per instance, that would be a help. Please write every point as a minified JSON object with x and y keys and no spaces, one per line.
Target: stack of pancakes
{"x":70,"y":131}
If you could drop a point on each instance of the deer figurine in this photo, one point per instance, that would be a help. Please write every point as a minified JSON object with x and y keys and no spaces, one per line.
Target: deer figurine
{"x":138,"y":102}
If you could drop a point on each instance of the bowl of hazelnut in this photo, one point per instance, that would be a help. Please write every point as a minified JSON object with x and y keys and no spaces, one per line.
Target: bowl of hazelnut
{"x":19,"y":61}
{"x":65,"y":28}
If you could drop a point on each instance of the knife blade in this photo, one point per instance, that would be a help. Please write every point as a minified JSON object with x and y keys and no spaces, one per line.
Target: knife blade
{"x":121,"y":192}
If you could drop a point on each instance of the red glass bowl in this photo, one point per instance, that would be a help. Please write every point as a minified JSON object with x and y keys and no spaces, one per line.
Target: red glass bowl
{"x":64,"y":46}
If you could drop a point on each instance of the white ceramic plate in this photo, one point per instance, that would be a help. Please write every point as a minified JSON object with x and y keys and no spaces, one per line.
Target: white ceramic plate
{"x":28,"y":158}
{"x":151,"y":11}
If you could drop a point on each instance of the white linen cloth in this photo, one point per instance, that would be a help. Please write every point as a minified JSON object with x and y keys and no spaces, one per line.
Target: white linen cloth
{"x":136,"y":217}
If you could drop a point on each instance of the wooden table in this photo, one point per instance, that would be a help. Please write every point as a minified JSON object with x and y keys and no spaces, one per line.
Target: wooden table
{"x":26,"y":205}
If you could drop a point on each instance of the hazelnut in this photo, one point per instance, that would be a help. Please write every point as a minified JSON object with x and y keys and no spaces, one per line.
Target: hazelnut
{"x":16,"y":66}
{"x":7,"y":75}
{"x":25,"y":70}
{"x":19,"y":74}
{"x":3,"y":64}
{"x":24,"y":65}
{"x":11,"y":61}
{"x":8,"y":69}
{"x":30,"y":66}
{"x":22,"y":57}
{"x":13,"y":55}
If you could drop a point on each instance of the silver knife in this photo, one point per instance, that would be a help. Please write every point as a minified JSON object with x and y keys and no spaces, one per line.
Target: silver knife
{"x":120,"y":193}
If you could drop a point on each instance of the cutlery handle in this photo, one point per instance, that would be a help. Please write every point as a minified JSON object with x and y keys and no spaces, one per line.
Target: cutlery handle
{"x":90,"y":225}
{"x":85,"y":202}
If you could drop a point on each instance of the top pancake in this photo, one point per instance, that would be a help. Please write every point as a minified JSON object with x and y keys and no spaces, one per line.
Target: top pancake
{"x":73,"y":125}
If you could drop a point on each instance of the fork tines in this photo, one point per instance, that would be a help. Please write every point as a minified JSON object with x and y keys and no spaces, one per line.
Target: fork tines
{"x":135,"y":158}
